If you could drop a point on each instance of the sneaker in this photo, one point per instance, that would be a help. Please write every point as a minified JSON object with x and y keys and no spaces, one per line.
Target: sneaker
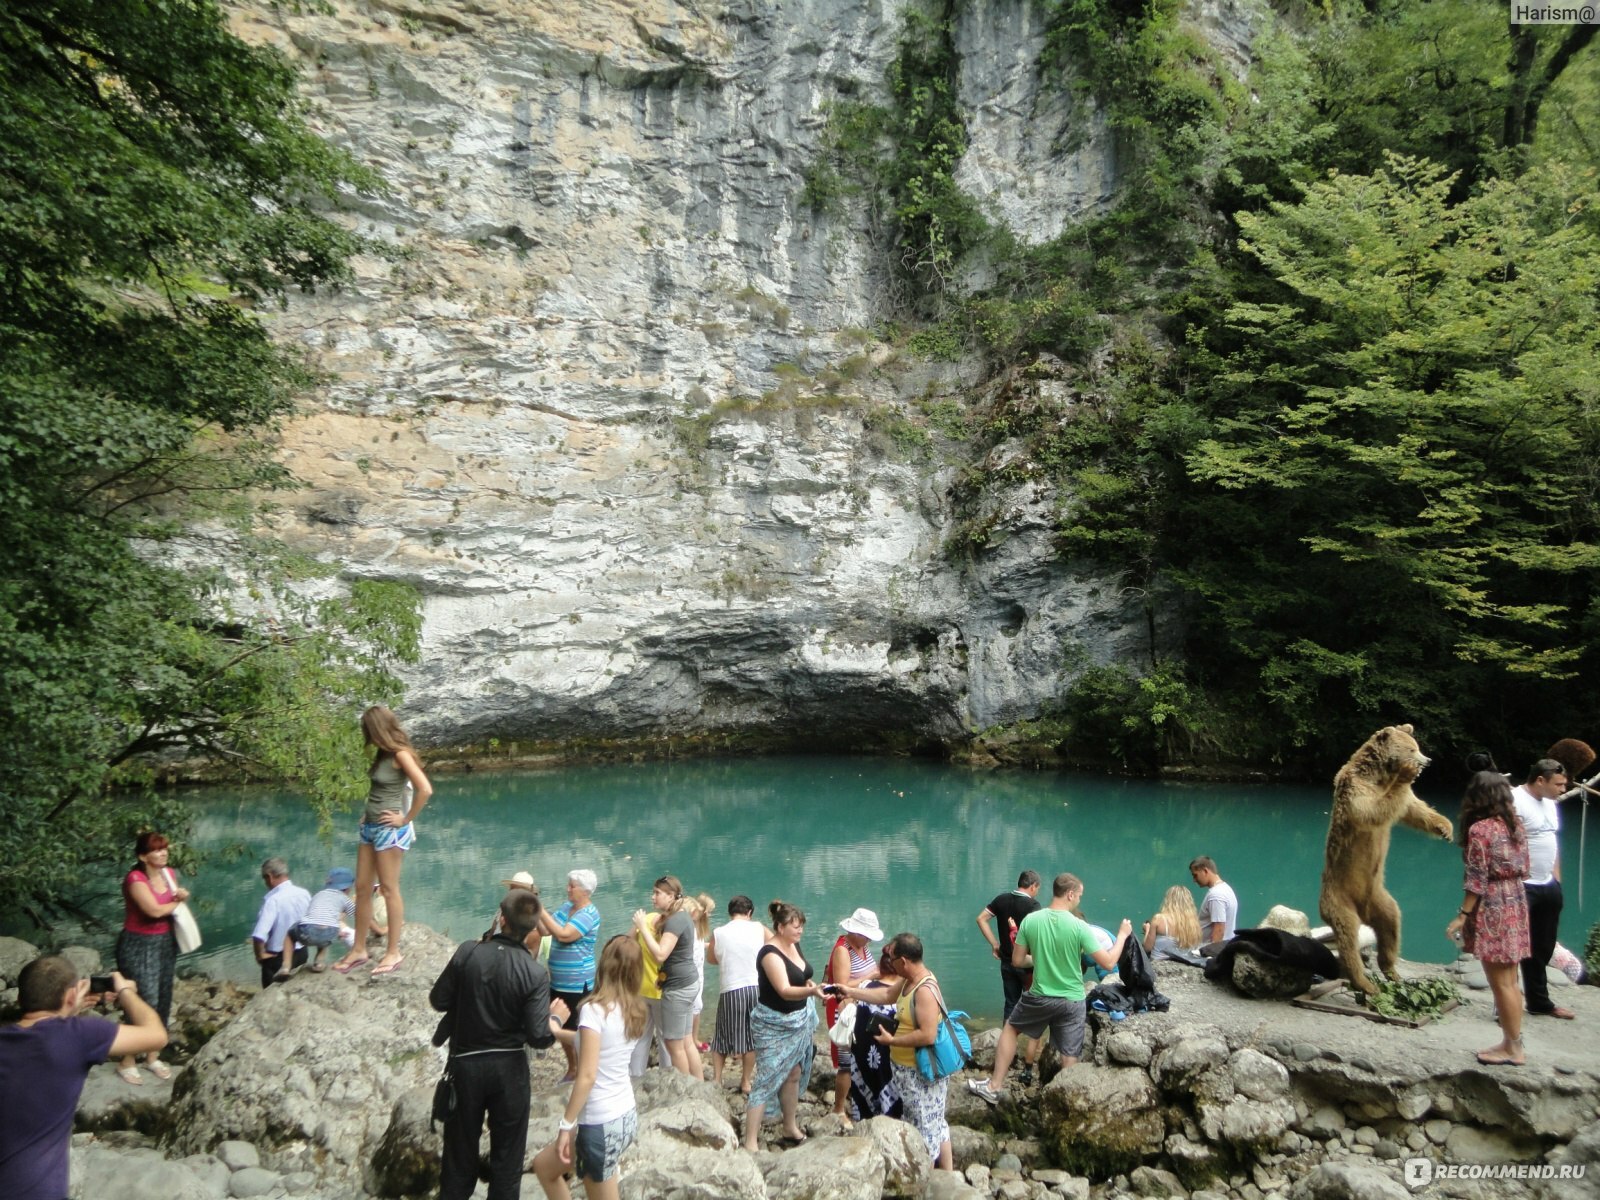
{"x":981,"y":1089}
{"x":1025,"y":1075}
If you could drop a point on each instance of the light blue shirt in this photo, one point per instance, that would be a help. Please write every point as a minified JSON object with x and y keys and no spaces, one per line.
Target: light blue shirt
{"x":283,"y":907}
{"x":572,"y":963}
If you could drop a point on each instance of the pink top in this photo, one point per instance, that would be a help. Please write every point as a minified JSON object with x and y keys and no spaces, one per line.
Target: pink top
{"x":133,"y":918}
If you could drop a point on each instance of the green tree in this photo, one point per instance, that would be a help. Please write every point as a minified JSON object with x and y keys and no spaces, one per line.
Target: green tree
{"x":1397,"y":491}
{"x":157,"y":183}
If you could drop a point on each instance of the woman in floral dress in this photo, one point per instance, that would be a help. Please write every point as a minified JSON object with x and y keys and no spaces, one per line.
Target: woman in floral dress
{"x":1493,"y":918}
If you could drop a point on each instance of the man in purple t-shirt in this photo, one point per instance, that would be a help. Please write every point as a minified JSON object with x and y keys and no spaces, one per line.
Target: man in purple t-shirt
{"x":44,"y":1059}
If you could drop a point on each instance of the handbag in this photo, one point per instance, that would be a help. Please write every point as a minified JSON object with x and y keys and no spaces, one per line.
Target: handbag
{"x":185,"y":929}
{"x":952,"y":1048}
{"x":842,"y":1032}
{"x":444,"y":1096}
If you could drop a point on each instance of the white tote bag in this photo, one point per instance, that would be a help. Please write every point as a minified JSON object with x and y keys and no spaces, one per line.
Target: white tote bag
{"x":184,"y":927}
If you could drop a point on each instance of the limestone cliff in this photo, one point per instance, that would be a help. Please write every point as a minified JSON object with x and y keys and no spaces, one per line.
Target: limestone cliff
{"x":617,"y":408}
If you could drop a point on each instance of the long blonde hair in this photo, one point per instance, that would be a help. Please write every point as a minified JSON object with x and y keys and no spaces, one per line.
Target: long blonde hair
{"x":704,"y":906}
{"x":617,"y":980}
{"x":1183,"y":922}
{"x":382,"y":730}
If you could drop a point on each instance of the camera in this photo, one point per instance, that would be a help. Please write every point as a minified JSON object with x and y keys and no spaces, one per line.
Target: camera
{"x":100,"y":984}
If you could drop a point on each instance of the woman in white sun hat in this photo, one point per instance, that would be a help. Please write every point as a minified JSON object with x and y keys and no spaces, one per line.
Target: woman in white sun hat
{"x":852,"y":961}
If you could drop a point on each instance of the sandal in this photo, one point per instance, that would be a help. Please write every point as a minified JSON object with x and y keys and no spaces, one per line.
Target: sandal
{"x":159,"y":1069}
{"x":130,"y":1075}
{"x":346,"y":965}
{"x":389,"y":968}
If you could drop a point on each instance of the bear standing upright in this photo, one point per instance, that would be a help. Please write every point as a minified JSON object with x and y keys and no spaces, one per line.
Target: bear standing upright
{"x":1370,"y":793}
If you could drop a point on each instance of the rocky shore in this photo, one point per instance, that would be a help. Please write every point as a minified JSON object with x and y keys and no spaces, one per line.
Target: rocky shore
{"x":321,"y":1087}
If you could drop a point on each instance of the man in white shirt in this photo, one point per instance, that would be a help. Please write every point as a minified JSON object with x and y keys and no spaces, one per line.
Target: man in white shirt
{"x":1535,"y":802}
{"x":1219,"y":910}
{"x":283,"y":907}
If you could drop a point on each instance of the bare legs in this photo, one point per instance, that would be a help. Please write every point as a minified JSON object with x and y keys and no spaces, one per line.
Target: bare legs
{"x":1508,"y":1005}
{"x":788,"y":1104}
{"x":551,"y":1172}
{"x":388,"y":867}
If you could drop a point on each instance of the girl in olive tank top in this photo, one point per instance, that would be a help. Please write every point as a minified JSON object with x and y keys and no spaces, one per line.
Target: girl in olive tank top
{"x":388,"y":827}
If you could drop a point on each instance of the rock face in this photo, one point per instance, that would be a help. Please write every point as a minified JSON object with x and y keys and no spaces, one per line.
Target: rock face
{"x":616,"y":410}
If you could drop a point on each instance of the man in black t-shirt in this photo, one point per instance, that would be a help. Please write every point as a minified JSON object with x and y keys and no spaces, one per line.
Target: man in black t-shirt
{"x":1008,"y":909}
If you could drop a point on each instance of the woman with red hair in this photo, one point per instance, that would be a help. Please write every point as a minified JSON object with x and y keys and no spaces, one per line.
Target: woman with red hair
{"x":147,"y":952}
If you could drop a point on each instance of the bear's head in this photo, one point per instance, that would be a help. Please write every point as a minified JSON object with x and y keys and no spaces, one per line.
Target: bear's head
{"x":1397,"y":752}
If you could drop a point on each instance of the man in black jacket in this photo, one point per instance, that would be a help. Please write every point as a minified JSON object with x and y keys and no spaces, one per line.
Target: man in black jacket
{"x":496,"y":997}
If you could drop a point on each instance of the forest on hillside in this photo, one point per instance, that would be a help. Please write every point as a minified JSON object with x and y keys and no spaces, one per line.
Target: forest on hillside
{"x":1332,"y":364}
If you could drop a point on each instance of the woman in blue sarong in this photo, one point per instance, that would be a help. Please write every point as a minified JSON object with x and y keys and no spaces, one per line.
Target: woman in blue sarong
{"x":781,"y":1026}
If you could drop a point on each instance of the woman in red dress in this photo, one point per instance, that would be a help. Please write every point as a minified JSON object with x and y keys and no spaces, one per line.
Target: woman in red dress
{"x":1493,"y":918}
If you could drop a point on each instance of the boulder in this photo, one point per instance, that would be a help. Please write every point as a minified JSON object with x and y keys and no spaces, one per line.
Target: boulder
{"x":14,"y":955}
{"x":1290,"y":920}
{"x":905,"y":1155}
{"x":948,"y":1185}
{"x":311,"y":1071}
{"x":687,"y":1146}
{"x":1266,"y":980}
{"x":407,"y":1159}
{"x":1156,"y":1184}
{"x":1196,"y":1054}
{"x":1345,"y":1180}
{"x":1257,"y":1076}
{"x":236,"y":1156}
{"x":251,"y":1182}
{"x":99,"y":1172}
{"x":1248,"y":1126}
{"x":690,"y":1111}
{"x":829,"y":1169}
{"x":657,"y":1166}
{"x":1098,"y":1121}
{"x":970,"y":1146}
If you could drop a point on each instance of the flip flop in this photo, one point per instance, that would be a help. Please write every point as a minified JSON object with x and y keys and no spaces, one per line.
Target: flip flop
{"x":380,"y":969}
{"x":130,"y":1075}
{"x":159,"y":1069}
{"x":346,"y":965}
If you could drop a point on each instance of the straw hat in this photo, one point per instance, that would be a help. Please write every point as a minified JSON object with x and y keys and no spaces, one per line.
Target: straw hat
{"x":865,"y":922}
{"x":520,"y":880}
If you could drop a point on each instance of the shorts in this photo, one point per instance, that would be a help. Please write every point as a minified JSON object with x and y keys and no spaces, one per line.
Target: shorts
{"x":571,"y":1000}
{"x":597,"y":1149}
{"x":1062,"y":1017}
{"x":314,"y":935}
{"x":677,"y":1010}
{"x":387,"y":837}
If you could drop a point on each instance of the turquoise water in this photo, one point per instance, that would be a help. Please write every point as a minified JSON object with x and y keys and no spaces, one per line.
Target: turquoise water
{"x":923,"y":844}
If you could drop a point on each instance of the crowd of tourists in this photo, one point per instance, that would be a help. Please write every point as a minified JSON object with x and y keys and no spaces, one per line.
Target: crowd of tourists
{"x":542,"y":977}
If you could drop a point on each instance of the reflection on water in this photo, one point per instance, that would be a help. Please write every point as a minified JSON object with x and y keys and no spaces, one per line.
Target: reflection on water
{"x":924,"y":845}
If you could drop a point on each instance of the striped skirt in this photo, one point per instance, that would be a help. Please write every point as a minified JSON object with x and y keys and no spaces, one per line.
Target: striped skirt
{"x":732,"y":1034}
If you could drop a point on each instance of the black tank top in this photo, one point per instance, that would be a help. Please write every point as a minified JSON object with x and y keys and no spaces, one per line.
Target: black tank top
{"x":798,"y":976}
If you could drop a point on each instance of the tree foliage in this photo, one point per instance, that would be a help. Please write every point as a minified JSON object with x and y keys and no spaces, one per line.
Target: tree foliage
{"x":157,"y":181}
{"x":1411,"y":428}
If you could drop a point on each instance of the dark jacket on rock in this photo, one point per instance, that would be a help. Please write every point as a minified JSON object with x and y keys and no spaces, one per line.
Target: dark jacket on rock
{"x":496,"y":996}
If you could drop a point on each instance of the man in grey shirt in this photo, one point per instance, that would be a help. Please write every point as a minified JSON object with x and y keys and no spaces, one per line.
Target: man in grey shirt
{"x":1219,"y":911}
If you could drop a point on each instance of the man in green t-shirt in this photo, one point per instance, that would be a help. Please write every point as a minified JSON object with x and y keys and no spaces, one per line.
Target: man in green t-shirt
{"x":1054,"y":942}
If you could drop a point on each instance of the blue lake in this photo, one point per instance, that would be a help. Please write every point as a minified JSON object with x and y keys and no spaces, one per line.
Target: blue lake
{"x":923,"y":844}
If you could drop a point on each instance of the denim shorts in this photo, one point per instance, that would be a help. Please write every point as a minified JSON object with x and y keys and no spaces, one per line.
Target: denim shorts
{"x":387,"y":837}
{"x":315,"y":935}
{"x":598,"y":1148}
